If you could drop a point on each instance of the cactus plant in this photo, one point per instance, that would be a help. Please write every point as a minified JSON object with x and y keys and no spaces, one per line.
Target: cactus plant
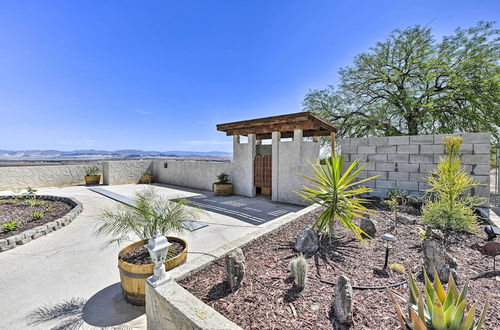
{"x":299,"y":268}
{"x":437,"y":309}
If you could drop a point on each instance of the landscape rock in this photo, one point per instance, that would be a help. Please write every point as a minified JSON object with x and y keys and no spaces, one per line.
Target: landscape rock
{"x":235,"y":268}
{"x":406,"y":221}
{"x":307,"y":241}
{"x":369,"y":226}
{"x":437,"y":258}
{"x":342,"y":302}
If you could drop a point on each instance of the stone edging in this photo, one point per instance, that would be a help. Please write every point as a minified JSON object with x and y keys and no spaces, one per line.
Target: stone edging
{"x":170,"y":306}
{"x":34,"y":233}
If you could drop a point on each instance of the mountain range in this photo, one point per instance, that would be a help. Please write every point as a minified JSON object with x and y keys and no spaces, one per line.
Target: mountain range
{"x":90,"y":154}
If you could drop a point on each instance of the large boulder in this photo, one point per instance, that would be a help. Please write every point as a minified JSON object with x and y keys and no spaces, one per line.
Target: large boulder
{"x":342,"y":302}
{"x":235,"y":268}
{"x":307,"y":241}
{"x":437,"y":258}
{"x":369,"y":226}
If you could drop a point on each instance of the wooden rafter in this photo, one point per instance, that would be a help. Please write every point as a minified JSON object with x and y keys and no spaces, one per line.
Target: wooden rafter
{"x":310,"y":124}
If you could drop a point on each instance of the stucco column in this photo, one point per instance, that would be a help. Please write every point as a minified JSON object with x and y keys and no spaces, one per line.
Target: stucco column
{"x":276,"y":136}
{"x":297,"y":135}
{"x":252,"y":146}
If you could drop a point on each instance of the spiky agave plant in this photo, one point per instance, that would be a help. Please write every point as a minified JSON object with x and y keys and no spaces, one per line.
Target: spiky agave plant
{"x":438,"y":309}
{"x":151,"y":213}
{"x":339,"y":193}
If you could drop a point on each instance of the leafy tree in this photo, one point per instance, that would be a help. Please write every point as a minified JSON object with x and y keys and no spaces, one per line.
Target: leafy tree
{"x":412,"y":84}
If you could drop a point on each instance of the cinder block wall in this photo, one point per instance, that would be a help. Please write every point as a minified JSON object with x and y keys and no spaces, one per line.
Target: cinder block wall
{"x":405,"y":161}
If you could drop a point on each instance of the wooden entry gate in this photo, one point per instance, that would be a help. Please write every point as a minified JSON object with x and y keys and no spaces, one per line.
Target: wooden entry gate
{"x":262,"y":175}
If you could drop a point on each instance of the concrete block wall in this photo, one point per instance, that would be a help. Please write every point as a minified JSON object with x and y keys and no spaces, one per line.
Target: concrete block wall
{"x":405,"y":161}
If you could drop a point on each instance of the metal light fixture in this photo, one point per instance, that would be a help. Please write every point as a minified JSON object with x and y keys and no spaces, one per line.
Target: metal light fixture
{"x":158,"y":248}
{"x":388,"y":242}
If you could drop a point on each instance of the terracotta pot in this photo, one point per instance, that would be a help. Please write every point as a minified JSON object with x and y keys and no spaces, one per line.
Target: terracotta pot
{"x":92,"y":179}
{"x":133,"y":277}
{"x":223,"y":189}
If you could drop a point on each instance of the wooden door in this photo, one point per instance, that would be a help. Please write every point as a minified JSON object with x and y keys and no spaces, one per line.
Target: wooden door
{"x":263,"y":171}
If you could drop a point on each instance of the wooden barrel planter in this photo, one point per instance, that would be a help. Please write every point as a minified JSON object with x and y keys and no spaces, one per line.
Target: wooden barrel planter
{"x":223,"y":189}
{"x":92,"y":179}
{"x":146,"y":178}
{"x":133,"y":277}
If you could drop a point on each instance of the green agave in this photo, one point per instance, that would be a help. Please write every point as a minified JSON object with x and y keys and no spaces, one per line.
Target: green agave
{"x":438,"y":309}
{"x":339,"y":193}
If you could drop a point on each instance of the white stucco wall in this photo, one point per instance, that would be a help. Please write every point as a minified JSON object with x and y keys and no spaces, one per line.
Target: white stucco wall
{"x":122,"y":172}
{"x":243,"y":157}
{"x":293,"y":160}
{"x":19,"y":177}
{"x":192,"y":174}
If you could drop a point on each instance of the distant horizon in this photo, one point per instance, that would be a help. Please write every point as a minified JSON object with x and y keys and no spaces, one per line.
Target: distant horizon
{"x":160,"y":75}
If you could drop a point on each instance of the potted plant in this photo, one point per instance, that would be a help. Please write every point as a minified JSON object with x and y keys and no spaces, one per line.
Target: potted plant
{"x":92,"y":175}
{"x":223,"y":186}
{"x":147,"y":177}
{"x":396,"y":194}
{"x":152,"y":213}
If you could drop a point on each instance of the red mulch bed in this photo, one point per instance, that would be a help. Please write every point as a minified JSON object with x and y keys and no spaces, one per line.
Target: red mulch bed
{"x":267,"y":299}
{"x":21,"y":212}
{"x":140,"y":255}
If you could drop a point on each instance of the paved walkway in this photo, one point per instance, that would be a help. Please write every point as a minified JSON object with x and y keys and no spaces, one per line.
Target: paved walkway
{"x":69,"y":278}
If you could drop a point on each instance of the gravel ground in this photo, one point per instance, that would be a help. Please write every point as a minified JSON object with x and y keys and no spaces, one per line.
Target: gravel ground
{"x":268,"y":300}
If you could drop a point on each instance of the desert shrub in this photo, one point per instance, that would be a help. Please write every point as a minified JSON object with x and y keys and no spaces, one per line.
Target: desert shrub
{"x":223,"y":178}
{"x":92,"y":170}
{"x":339,"y":193}
{"x":448,"y":205}
{"x":10,"y":225}
{"x":37,"y":215}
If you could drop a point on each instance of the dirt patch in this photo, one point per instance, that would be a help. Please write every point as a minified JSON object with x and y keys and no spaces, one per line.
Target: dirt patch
{"x":140,"y":255}
{"x":268,"y":300}
{"x":20,"y":211}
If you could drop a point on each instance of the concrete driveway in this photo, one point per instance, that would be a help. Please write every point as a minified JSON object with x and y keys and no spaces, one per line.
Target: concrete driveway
{"x":69,"y":278}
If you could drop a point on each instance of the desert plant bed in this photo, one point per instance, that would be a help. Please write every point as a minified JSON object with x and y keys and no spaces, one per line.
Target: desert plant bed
{"x":267,"y":298}
{"x":28,"y":216}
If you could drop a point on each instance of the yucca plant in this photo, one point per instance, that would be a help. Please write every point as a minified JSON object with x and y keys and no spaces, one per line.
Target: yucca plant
{"x":339,"y":193}
{"x":150,"y":214}
{"x":437,"y":309}
{"x":449,"y":203}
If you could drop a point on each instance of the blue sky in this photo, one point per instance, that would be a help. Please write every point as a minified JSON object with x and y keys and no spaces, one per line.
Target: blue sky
{"x":159,"y":75}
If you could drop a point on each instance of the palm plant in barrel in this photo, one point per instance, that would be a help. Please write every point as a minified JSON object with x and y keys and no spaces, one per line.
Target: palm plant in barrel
{"x":449,"y":205}
{"x":437,"y":309}
{"x":150,"y":214}
{"x":339,"y":192}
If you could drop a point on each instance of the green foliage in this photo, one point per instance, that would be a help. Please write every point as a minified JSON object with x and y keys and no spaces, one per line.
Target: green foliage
{"x":223,"y":178}
{"x":438,"y":309}
{"x":147,"y":172}
{"x":152,"y":213}
{"x":410,"y":84}
{"x":37,"y":215}
{"x":396,"y":192}
{"x":48,"y":209}
{"x":394,"y":206}
{"x":450,"y":204}
{"x":92,"y":170}
{"x":12,"y":201}
{"x":34,"y":202}
{"x":339,"y":193}
{"x":10,"y":225}
{"x":299,"y":268}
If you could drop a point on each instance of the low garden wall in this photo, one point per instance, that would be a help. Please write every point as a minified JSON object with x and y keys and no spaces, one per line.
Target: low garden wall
{"x":191,"y":174}
{"x":405,"y":161}
{"x":170,"y":306}
{"x":123,"y":172}
{"x":20,"y":177}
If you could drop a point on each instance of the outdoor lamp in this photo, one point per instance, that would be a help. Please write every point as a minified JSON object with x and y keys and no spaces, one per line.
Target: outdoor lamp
{"x":158,"y":248}
{"x":388,"y":242}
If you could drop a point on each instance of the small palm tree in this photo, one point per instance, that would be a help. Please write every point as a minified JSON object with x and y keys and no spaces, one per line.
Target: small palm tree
{"x":151,"y":213}
{"x":339,"y":194}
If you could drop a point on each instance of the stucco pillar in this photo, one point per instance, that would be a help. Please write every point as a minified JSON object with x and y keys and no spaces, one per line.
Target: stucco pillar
{"x":252,"y":145}
{"x":297,"y":135}
{"x":276,"y":136}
